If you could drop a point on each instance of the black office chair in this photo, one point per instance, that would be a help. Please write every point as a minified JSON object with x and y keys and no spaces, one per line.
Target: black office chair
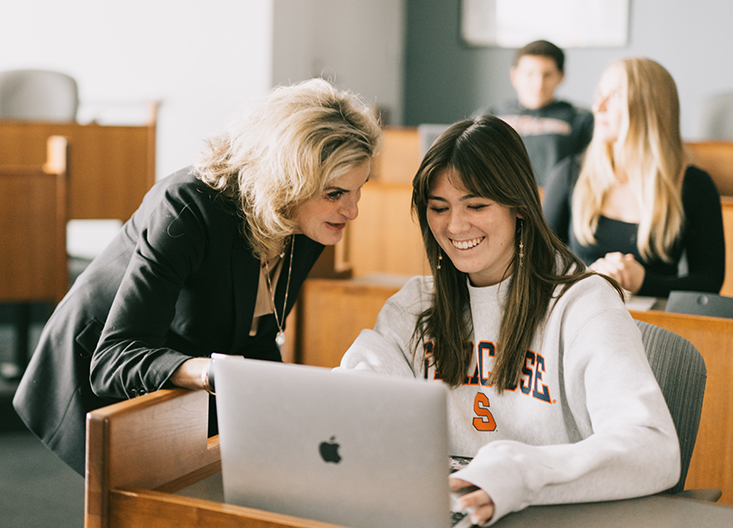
{"x":681,"y":374}
{"x":700,"y":303}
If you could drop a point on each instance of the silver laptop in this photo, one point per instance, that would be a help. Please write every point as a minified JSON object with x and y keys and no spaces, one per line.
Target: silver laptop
{"x":348,"y":448}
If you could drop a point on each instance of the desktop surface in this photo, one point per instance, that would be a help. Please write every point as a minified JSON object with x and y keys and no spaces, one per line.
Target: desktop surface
{"x":663,"y":511}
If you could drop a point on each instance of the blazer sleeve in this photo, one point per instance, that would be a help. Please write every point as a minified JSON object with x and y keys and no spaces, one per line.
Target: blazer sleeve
{"x":131,"y":357}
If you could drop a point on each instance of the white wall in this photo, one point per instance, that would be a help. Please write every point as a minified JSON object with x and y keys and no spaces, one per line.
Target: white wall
{"x":356,"y":44}
{"x":201,"y":60}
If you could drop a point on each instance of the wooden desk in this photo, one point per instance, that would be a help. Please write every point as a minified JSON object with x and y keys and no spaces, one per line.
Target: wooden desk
{"x":150,"y":464}
{"x":110,"y":168}
{"x":141,"y":451}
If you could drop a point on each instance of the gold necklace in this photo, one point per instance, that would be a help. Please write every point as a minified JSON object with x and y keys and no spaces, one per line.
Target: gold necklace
{"x":280,"y":337}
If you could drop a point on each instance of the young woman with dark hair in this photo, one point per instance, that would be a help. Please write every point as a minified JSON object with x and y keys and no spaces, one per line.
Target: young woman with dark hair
{"x":551,"y":393}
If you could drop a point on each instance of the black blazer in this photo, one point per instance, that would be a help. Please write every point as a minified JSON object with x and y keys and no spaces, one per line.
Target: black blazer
{"x":178,"y":281}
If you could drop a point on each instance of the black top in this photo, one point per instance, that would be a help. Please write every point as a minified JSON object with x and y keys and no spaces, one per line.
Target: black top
{"x":702,"y":239}
{"x":550,"y":134}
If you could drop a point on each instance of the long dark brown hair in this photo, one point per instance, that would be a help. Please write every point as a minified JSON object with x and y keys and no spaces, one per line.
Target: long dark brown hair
{"x":489,"y":159}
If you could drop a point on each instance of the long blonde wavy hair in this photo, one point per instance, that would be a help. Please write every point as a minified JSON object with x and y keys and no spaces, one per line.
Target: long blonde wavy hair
{"x":284,"y":150}
{"x":649,"y":150}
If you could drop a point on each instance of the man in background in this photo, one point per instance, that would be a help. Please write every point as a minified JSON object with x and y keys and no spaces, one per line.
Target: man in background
{"x":551,"y":129}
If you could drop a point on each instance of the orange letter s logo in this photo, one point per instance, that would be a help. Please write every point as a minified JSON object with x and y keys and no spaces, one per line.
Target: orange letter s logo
{"x":484,"y":420}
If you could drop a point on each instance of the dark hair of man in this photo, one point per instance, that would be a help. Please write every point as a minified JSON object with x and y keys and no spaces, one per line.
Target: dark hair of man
{"x":490,"y":160}
{"x":542,"y":48}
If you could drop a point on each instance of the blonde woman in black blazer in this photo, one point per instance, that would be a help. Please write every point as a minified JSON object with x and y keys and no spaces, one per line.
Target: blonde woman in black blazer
{"x":212,"y":261}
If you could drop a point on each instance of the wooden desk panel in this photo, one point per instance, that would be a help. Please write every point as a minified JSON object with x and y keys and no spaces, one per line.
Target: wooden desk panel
{"x":332,"y":314}
{"x":727,"y":203}
{"x":400,"y":156}
{"x":110,"y":168}
{"x":712,"y":460}
{"x":384,"y":238}
{"x":33,"y":228}
{"x":715,"y":157}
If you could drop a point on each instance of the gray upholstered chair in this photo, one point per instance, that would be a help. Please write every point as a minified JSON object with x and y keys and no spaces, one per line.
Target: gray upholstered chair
{"x":715,"y":119}
{"x":700,"y":303}
{"x":37,"y":95}
{"x":681,"y":374}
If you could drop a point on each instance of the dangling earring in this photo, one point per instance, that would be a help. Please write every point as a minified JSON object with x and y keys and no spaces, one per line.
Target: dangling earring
{"x":440,"y":257}
{"x":521,"y":242}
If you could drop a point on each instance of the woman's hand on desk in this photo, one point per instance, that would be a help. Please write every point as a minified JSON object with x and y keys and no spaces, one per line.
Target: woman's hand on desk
{"x":624,"y":268}
{"x":479,"y":500}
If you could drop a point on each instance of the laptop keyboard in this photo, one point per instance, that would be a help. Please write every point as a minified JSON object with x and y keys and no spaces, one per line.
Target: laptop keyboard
{"x":460,"y":520}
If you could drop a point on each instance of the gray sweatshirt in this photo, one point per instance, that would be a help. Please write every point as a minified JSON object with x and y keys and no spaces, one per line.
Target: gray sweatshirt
{"x":587,"y":421}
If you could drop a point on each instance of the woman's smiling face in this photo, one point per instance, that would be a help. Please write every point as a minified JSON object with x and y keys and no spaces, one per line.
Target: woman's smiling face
{"x":476,"y":233}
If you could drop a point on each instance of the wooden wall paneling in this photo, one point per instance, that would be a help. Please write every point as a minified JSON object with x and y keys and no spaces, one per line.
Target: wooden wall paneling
{"x":712,"y":461}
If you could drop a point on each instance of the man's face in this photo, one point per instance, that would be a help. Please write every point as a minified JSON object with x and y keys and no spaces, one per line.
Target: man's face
{"x":535,"y":78}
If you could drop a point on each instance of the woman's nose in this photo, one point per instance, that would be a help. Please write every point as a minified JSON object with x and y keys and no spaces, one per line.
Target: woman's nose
{"x":350,"y":207}
{"x":600,"y":104}
{"x":457,"y":222}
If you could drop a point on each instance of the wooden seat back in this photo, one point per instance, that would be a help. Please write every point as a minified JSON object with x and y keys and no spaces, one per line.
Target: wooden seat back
{"x":33,"y":216}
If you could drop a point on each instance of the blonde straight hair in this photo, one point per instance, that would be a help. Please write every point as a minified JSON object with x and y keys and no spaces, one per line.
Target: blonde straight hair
{"x":649,"y":150}
{"x":284,"y":150}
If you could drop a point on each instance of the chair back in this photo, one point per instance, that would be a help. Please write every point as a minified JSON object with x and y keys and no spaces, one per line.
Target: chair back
{"x":716,"y":116}
{"x":700,"y":303}
{"x":681,"y":374}
{"x":37,"y":95}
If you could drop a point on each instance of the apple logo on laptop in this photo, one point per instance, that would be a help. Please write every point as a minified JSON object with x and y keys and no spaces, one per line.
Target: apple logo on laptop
{"x":330,"y":451}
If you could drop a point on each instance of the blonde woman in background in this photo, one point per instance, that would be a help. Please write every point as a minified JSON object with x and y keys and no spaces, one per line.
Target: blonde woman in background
{"x":212,"y":261}
{"x":632,"y":207}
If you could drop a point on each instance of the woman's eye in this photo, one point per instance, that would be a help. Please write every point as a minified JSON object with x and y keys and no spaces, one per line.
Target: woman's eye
{"x":335,"y":195}
{"x":438,"y":209}
{"x":478,"y":207}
